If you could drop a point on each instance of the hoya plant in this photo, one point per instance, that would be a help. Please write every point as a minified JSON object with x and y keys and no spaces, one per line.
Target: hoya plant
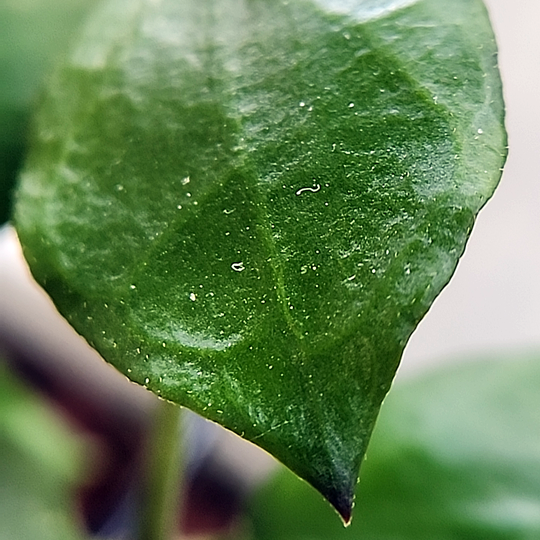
{"x":247,"y":206}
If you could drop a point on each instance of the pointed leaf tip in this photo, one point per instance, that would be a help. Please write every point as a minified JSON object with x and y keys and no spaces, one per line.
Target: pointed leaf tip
{"x":343,"y":503}
{"x":247,"y":207}
{"x":340,"y":495}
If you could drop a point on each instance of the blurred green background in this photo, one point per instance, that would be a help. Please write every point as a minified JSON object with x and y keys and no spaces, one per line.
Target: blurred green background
{"x":33,"y":35}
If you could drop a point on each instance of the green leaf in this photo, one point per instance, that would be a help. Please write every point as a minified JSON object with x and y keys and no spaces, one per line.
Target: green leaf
{"x":454,"y":456}
{"x":32,"y":34}
{"x":247,"y":206}
{"x":40,"y":464}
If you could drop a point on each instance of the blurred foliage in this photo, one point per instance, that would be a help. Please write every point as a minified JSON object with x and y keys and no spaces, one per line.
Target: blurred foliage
{"x":33,"y":33}
{"x":455,"y":456}
{"x":40,"y":464}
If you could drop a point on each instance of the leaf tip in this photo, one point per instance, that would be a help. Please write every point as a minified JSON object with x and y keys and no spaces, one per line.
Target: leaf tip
{"x":343,"y":503}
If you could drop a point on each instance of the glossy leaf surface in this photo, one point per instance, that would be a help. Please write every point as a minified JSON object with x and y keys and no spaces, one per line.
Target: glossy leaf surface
{"x":454,"y":456}
{"x":247,"y":206}
{"x":40,"y":464}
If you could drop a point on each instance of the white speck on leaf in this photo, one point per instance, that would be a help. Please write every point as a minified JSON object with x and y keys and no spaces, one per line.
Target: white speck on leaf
{"x":313,"y":189}
{"x":238,"y":266}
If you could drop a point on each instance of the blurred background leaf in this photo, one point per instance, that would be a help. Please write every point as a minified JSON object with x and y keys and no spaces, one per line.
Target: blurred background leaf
{"x":40,"y":465}
{"x":455,"y":455}
{"x":33,"y":33}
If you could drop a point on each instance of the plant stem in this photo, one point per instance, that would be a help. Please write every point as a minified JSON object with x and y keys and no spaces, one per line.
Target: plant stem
{"x":161,"y":488}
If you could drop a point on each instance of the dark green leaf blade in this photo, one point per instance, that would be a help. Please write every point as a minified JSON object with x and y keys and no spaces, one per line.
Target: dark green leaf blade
{"x":454,"y":456}
{"x":40,"y":466}
{"x":248,"y":206}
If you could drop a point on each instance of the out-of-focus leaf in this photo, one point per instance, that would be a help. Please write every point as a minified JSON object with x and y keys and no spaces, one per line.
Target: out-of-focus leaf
{"x":247,"y":206}
{"x":32,"y":34}
{"x":455,"y":455}
{"x":40,"y":464}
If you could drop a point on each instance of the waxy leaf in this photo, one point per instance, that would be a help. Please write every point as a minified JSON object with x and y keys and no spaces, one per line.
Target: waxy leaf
{"x":454,"y":456}
{"x":247,"y":206}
